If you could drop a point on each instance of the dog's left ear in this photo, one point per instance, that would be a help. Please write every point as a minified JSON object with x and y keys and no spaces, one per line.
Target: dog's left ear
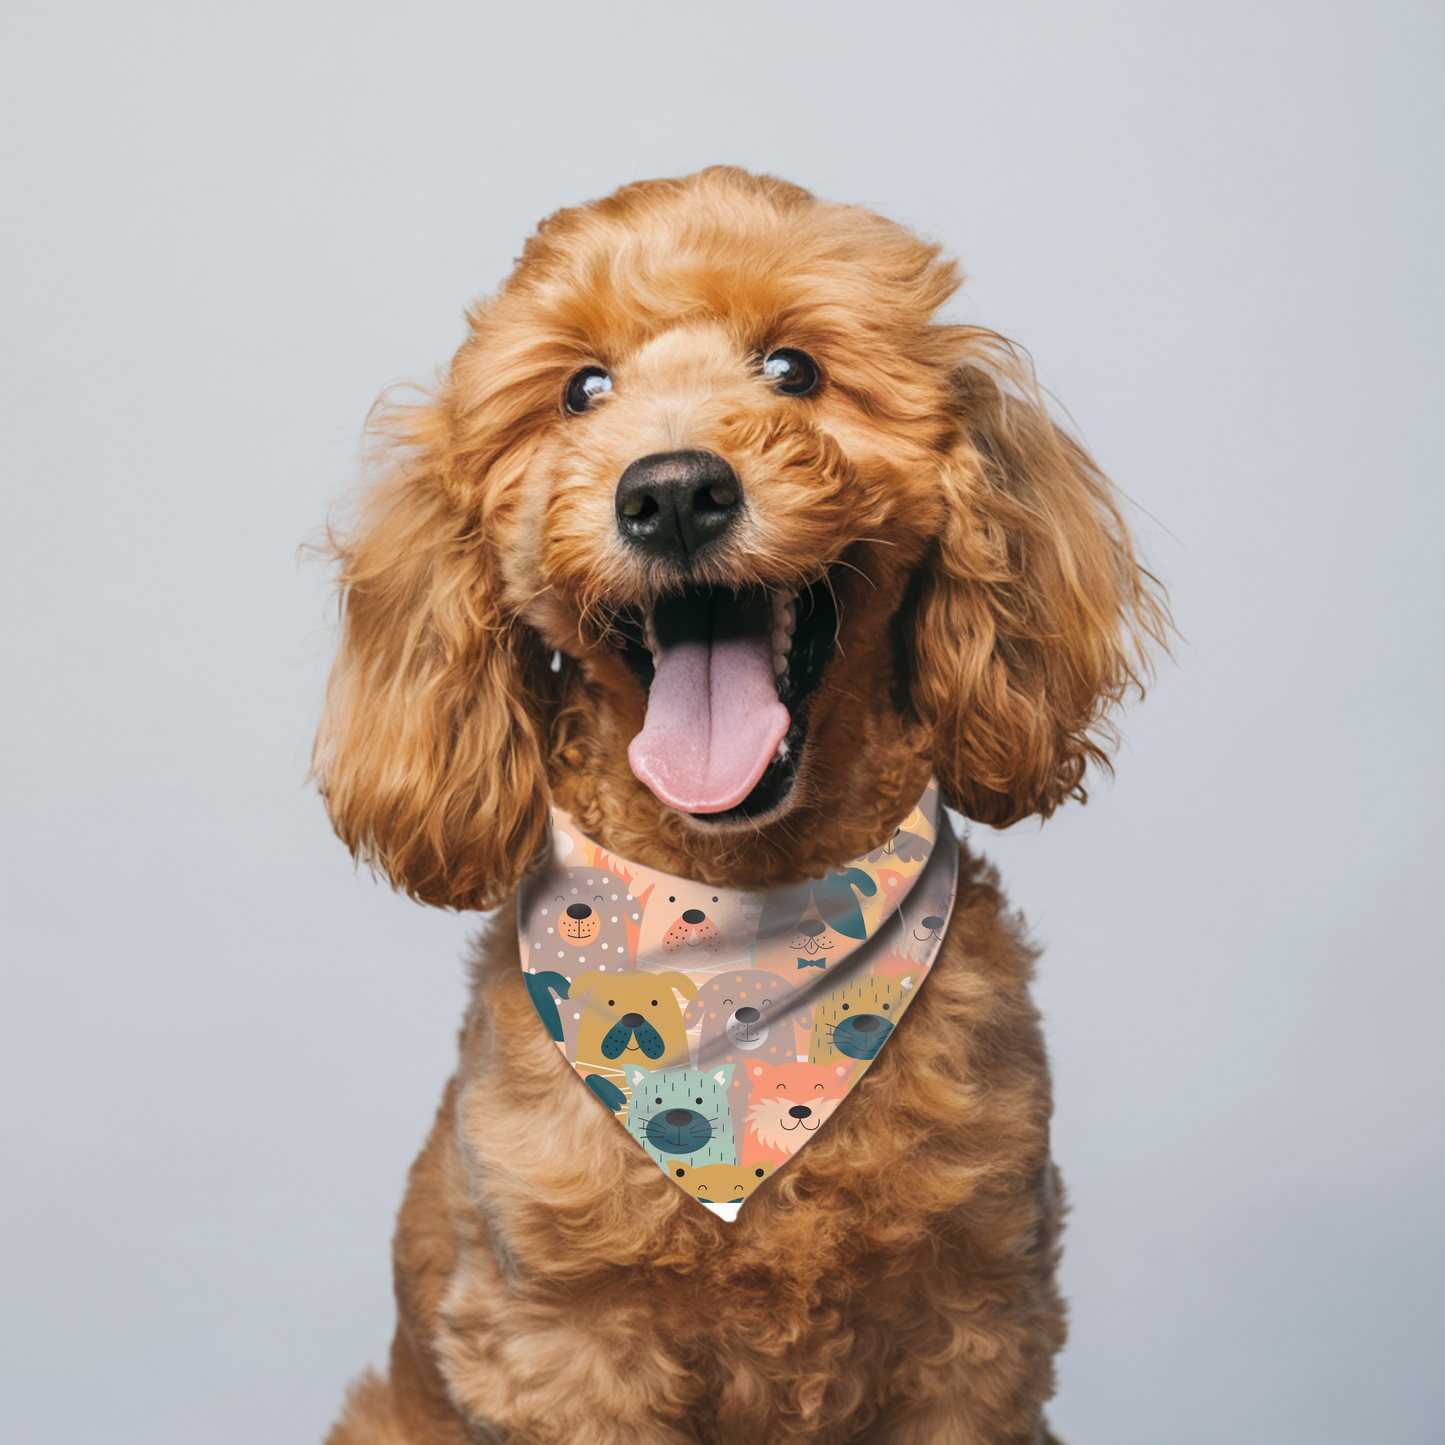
{"x":1028,"y":621}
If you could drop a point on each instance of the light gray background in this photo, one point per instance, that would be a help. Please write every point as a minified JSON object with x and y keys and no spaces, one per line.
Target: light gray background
{"x":1219,"y":229}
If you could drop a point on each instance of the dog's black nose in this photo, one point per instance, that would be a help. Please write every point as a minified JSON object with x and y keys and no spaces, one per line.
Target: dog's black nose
{"x":679,"y":1118}
{"x":632,"y":1021}
{"x":749,"y":1015}
{"x":932,"y":921}
{"x":800,"y":1111}
{"x":694,"y":916}
{"x":866,"y":1023}
{"x":673,"y":504}
{"x":811,"y":927}
{"x":578,"y":910}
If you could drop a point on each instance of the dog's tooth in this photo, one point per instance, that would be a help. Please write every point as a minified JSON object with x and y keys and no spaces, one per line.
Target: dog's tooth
{"x":780,"y":662}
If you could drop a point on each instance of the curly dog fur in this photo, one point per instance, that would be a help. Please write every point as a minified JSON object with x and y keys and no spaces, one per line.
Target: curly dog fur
{"x":895,"y":1281}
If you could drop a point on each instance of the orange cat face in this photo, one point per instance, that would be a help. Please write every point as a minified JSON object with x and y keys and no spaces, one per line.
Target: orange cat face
{"x":799,"y":1083}
{"x":789,"y":1103}
{"x":719,"y":1183}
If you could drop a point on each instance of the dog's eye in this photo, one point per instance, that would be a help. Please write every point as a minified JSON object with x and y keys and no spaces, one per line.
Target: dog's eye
{"x":795,"y":372}
{"x":697,"y":1101}
{"x":654,"y":1004}
{"x":584,"y":388}
{"x":611,"y":1003}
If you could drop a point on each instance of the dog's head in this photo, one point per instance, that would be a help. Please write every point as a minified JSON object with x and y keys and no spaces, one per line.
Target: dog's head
{"x":716,"y":533}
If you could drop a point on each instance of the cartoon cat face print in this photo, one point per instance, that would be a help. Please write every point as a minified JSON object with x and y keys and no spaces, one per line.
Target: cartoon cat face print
{"x":719,"y":1183}
{"x":682,"y":1114}
{"x":788,"y":1104}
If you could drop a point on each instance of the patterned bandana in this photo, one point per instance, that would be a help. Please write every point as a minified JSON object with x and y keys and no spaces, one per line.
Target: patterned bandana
{"x":723,"y":1028}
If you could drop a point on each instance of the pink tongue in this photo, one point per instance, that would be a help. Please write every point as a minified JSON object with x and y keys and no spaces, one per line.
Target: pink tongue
{"x":713,"y":723}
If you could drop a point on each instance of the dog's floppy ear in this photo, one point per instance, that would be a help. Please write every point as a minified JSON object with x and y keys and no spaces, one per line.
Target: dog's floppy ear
{"x":431,"y":748}
{"x":1029,"y":618}
{"x":678,"y":981}
{"x":592,"y":979}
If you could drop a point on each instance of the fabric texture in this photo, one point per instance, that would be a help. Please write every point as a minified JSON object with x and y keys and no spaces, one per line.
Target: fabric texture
{"x":722,"y":1028}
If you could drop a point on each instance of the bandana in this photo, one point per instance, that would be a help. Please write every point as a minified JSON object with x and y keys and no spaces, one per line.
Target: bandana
{"x":723,"y":1028}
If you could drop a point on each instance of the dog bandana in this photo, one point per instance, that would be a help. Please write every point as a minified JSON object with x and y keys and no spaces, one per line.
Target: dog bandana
{"x":723,"y":1028}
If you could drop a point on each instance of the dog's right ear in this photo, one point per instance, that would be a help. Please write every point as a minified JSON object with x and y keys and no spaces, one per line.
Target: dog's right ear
{"x":585,"y":981}
{"x":430,"y":753}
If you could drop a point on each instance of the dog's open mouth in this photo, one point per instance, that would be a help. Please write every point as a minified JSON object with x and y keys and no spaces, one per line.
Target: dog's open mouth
{"x":728,"y":676}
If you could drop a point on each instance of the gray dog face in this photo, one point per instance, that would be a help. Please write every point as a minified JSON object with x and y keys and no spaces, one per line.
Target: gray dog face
{"x":747,"y":1011}
{"x":748,"y":1027}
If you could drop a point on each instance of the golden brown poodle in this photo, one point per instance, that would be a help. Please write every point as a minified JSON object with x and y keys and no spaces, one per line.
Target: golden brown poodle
{"x":708,"y":407}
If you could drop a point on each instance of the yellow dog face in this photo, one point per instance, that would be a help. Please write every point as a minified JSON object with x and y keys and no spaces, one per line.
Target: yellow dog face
{"x":719,"y":1183}
{"x":633,"y":1017}
{"x":853,"y":1021}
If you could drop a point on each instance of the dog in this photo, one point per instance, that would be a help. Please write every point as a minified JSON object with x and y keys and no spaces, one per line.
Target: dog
{"x":715,"y":537}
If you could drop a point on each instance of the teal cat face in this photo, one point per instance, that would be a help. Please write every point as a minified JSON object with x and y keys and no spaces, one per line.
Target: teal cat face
{"x":682,"y":1114}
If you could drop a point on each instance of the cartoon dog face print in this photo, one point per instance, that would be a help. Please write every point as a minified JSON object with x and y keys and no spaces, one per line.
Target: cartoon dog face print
{"x":682,"y":1114}
{"x":719,"y":1183}
{"x":692,"y":926}
{"x":788,"y":1104}
{"x":801,"y":927}
{"x":924,"y":915}
{"x":633,"y":1013}
{"x":909,"y":843}
{"x":742,"y":1016}
{"x":854,"y":1020}
{"x":584,"y":923}
{"x":630,"y":1016}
